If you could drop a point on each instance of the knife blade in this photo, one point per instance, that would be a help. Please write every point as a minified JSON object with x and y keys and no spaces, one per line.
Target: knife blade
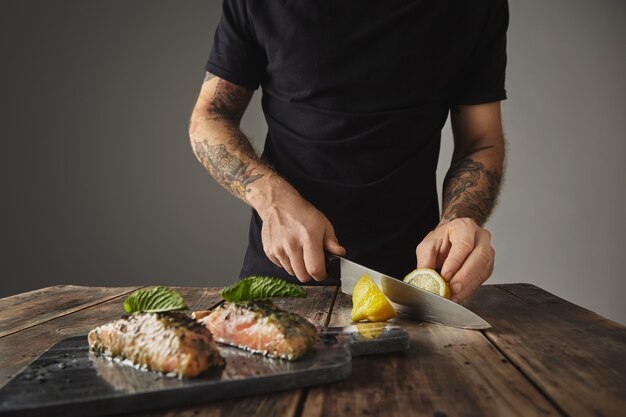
{"x":406,"y":298}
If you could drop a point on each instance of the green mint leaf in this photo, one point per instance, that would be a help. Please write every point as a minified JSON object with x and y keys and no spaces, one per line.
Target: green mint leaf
{"x":257,"y":288}
{"x":155,"y":299}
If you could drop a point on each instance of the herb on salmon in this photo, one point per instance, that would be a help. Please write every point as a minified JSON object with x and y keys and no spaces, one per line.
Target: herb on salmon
{"x":155,"y":299}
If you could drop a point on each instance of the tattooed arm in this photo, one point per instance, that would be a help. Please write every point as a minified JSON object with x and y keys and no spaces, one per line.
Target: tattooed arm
{"x":459,"y":245}
{"x":217,"y":141}
{"x":294,"y":232}
{"x":473,"y":181}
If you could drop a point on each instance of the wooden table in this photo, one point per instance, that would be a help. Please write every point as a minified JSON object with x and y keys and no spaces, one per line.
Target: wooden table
{"x":544,"y":356}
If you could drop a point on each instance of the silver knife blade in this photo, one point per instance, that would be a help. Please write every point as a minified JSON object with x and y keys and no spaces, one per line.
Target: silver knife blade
{"x":411,"y":300}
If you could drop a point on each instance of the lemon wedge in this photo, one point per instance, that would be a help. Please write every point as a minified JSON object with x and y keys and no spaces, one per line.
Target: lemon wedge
{"x":429,"y":280}
{"x":369,"y":303}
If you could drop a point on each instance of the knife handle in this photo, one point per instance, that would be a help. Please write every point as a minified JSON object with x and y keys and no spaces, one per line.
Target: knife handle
{"x":333,"y":269}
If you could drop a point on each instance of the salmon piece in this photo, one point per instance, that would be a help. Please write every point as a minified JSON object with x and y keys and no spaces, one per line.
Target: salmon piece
{"x":261,"y":327}
{"x":172,"y":343}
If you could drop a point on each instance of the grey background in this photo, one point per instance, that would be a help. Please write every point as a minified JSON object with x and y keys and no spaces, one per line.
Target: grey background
{"x":99,"y":185}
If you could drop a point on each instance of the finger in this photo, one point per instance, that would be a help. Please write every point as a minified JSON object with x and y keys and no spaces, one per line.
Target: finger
{"x":461,"y":245}
{"x":443,"y":253}
{"x":426,"y":253}
{"x":284,"y":262}
{"x":314,"y":261}
{"x":274,"y":260}
{"x":331,"y":243}
{"x":297,"y":262}
{"x":475,"y":271}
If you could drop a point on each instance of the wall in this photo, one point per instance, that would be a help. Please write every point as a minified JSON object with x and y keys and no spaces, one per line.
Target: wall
{"x":99,"y":185}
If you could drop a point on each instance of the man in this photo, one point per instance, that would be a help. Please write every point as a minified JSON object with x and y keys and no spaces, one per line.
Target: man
{"x":355,"y":94}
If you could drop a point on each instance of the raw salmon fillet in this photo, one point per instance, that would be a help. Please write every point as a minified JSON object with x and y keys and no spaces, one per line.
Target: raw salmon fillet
{"x":260,"y":327}
{"x":172,"y":343}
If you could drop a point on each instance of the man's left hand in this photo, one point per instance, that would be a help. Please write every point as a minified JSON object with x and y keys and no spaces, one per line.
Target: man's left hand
{"x":463,"y":251}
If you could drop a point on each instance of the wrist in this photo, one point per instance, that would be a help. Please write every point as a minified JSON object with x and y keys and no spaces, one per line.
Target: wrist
{"x":450,"y":216}
{"x":275,"y":194}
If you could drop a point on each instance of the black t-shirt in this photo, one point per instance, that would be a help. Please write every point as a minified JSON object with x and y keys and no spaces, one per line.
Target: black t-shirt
{"x":355,"y":94}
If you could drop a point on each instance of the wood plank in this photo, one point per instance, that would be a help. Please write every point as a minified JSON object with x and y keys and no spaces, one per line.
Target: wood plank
{"x":278,"y":404}
{"x":316,"y":307}
{"x":575,"y":356}
{"x":446,"y":372}
{"x":17,"y":350}
{"x":28,"y":309}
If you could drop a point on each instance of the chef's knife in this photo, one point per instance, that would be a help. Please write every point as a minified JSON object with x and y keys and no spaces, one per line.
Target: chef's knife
{"x":405,"y":297}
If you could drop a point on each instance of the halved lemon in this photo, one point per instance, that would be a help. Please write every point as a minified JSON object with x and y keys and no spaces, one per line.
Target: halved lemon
{"x":429,"y":280}
{"x":369,"y":302}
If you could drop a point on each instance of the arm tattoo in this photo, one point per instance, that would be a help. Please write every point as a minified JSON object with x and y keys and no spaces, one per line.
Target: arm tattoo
{"x":465,"y":196}
{"x":231,"y":172}
{"x":221,"y":159}
{"x":229,"y":101}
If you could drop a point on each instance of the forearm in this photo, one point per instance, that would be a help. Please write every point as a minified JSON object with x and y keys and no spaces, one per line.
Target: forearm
{"x":472,"y":184}
{"x":222,"y":148}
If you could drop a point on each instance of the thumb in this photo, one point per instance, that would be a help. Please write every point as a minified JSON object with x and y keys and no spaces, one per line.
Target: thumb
{"x":331,"y":244}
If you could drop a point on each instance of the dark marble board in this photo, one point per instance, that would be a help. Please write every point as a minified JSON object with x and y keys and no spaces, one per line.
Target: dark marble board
{"x":70,"y":380}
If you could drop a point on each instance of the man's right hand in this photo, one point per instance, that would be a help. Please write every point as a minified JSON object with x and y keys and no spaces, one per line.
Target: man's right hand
{"x":295,"y":235}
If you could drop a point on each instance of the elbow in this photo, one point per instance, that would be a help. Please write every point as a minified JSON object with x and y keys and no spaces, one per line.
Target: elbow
{"x":196,"y":128}
{"x":192,"y":140}
{"x":194,"y":120}
{"x":194,"y":137}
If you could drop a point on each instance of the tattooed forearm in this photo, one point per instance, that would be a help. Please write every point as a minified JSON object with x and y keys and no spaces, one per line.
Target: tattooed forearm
{"x":231,"y":172}
{"x":218,"y":142}
{"x":470,"y":190}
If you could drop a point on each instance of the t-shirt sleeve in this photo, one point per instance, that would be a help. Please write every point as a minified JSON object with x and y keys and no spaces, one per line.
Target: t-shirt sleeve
{"x":236,"y":55}
{"x":481,"y":80}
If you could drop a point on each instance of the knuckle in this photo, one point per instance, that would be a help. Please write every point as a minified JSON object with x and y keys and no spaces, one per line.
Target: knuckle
{"x":312,"y":238}
{"x":467,"y":279}
{"x":466,"y":222}
{"x":465,"y":243}
{"x":316,"y":270}
{"x":275,"y":249}
{"x":485,"y":254}
{"x":303,"y":275}
{"x":270,"y":252}
{"x":452,"y":266}
{"x":291,"y":242}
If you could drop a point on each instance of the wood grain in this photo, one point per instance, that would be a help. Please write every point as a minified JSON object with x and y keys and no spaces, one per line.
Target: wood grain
{"x":446,"y":372}
{"x":316,"y":307}
{"x":28,"y":309}
{"x":575,"y":356}
{"x":278,"y":404}
{"x":18,"y":349}
{"x":544,"y":356}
